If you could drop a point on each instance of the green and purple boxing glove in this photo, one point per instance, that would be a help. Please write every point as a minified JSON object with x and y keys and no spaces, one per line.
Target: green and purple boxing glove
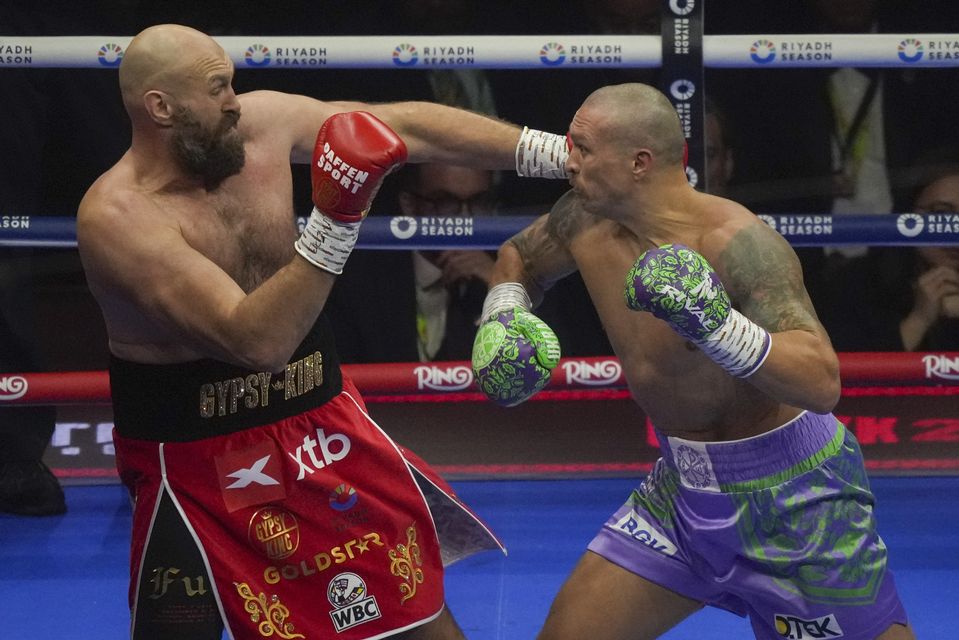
{"x":514,"y":352}
{"x":676,"y":284}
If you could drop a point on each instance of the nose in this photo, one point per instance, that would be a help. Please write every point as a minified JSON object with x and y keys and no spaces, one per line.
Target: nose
{"x":232,"y":104}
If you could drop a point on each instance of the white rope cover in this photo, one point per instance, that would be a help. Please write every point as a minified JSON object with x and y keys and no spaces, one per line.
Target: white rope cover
{"x":510,"y":52}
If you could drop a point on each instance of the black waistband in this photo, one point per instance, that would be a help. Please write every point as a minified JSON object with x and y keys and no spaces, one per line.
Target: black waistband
{"x":193,"y":400}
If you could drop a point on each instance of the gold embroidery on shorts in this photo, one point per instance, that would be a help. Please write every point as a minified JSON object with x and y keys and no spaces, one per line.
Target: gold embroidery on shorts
{"x":273,"y":612}
{"x":405,"y":562}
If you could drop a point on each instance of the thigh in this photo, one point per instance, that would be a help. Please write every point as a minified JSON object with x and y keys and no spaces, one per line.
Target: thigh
{"x":602,"y":601}
{"x":443,"y":627}
{"x":897,"y":632}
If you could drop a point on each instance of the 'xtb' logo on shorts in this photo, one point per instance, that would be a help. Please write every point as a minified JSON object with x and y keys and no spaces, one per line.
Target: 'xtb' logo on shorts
{"x":799,"y":629}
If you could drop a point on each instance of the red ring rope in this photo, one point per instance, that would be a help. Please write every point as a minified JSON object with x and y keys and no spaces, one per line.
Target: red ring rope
{"x":454,"y":380}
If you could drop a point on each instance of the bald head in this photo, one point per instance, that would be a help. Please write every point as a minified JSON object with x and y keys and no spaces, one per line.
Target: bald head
{"x":164,"y":57}
{"x":639,"y":115}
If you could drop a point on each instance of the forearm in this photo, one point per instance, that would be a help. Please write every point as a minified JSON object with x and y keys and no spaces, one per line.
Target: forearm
{"x":264,"y":328}
{"x":801,"y":370}
{"x":438,"y":133}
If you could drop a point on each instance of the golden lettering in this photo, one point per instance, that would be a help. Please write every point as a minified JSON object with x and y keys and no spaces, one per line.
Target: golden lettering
{"x":221,"y":388}
{"x":265,"y":387}
{"x":307,"y":369}
{"x":318,"y":369}
{"x":237,"y":389}
{"x":253,"y":396}
{"x":271,"y":575}
{"x":207,"y":401}
{"x":290,"y":386}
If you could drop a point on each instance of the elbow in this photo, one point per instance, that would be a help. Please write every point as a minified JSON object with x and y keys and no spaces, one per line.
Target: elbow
{"x":262,"y":355}
{"x":827,"y":391}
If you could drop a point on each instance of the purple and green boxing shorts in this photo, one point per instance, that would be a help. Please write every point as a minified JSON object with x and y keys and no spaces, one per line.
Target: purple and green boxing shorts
{"x":778,"y":527}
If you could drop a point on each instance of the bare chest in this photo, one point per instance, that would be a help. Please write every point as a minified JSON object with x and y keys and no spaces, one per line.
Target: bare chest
{"x":247,"y":225}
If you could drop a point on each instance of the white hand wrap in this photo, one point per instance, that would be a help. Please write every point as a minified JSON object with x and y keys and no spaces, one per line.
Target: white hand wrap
{"x":505,"y":295}
{"x":326,"y":242}
{"x":541,"y":155}
{"x":740,"y":346}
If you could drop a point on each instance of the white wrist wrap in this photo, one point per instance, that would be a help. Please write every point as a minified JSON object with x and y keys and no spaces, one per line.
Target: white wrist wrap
{"x":740,"y":346}
{"x":541,"y":155}
{"x":326,"y":242}
{"x":505,"y":295}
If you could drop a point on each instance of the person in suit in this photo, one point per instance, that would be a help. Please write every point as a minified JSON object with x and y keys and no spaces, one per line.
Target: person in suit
{"x":434,"y":297}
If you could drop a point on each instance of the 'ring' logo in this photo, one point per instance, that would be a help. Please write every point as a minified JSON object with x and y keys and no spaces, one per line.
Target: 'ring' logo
{"x":910,"y":224}
{"x":771,"y":221}
{"x":405,"y":55}
{"x":762,"y":51}
{"x":256,"y":55}
{"x":682,"y":7}
{"x":403,"y":227}
{"x":12,"y":387}
{"x":691,"y":176}
{"x":682,"y":89}
{"x":910,"y":50}
{"x":552,"y":54}
{"x":110,"y":55}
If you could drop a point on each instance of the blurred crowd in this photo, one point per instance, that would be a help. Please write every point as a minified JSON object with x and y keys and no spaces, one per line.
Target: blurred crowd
{"x":805,"y":140}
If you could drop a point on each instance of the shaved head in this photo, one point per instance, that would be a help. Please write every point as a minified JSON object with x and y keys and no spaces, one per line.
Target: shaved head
{"x":176,"y":87}
{"x":162,"y":58}
{"x":638,"y":115}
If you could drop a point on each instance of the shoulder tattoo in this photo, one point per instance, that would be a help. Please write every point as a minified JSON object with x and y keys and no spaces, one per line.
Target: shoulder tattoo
{"x":764,"y":278}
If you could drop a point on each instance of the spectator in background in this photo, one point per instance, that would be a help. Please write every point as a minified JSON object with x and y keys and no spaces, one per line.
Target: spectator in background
{"x":27,"y":487}
{"x":903,"y":298}
{"x":433,"y":298}
{"x":830,"y":140}
{"x":719,"y":149}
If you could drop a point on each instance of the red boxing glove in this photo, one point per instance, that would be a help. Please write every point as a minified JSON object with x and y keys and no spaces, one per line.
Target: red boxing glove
{"x":354,"y":151}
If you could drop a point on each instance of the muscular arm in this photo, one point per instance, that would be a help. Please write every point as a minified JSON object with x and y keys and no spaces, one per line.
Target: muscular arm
{"x":143,"y":270}
{"x":432,"y":132}
{"x":538,"y":256}
{"x":764,"y":277}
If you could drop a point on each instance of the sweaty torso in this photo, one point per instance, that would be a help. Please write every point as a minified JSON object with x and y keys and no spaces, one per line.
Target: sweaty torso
{"x":246,"y":226}
{"x":683,"y":392}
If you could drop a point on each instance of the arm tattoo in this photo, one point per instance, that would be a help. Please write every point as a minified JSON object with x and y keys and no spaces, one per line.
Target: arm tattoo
{"x":544,"y":245}
{"x":764,"y":278}
{"x":566,"y":219}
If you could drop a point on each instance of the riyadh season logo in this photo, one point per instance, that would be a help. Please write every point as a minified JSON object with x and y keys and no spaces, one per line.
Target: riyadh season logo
{"x":910,"y":50}
{"x":110,"y":55}
{"x":405,"y":55}
{"x":771,"y":221}
{"x":343,"y":497}
{"x":682,"y":89}
{"x":403,"y":227}
{"x":692,"y":177}
{"x":257,"y":55}
{"x":910,"y":224}
{"x":682,"y":7}
{"x":762,"y":52}
{"x":552,"y":54}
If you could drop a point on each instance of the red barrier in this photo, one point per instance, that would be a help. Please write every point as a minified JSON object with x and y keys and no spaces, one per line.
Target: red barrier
{"x":414,"y":378}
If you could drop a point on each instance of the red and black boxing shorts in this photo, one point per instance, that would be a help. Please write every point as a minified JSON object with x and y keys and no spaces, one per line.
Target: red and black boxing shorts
{"x":316,"y":525}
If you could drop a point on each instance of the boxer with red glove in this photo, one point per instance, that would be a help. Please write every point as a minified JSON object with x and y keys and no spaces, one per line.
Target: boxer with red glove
{"x":354,"y":151}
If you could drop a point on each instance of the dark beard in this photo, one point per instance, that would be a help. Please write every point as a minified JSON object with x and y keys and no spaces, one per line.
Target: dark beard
{"x":212,"y":155}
